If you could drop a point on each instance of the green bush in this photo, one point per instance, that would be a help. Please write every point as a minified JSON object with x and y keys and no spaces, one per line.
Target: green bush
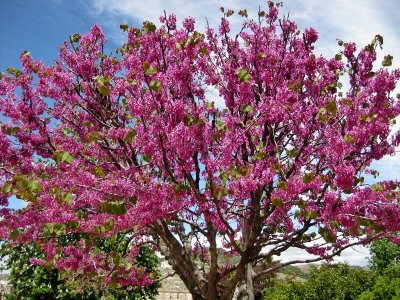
{"x":32,"y":282}
{"x":326,"y":282}
{"x":386,"y":287}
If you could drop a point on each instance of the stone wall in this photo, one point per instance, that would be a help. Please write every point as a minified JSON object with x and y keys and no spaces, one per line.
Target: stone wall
{"x":172,"y":287}
{"x":176,"y":296}
{"x":4,"y":290}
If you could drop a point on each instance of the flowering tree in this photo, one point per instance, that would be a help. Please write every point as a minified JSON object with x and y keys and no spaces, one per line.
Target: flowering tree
{"x":134,"y":143}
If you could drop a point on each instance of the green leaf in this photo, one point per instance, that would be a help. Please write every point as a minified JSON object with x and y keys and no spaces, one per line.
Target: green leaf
{"x":59,"y":229}
{"x":243,"y":74}
{"x":188,"y":120}
{"x":301,"y":204}
{"x":138,"y":32}
{"x":277,"y":202}
{"x":224,"y":176}
{"x":387,"y":61}
{"x":148,"y":69}
{"x":283,"y":185}
{"x":67,"y":198}
{"x":292,"y":153}
{"x":335,"y":224}
{"x":238,"y":172}
{"x":113,"y":208}
{"x":64,"y":198}
{"x":310,"y":215}
{"x":66,"y":157}
{"x":322,"y":111}
{"x":365,"y":118}
{"x":14,"y":72}
{"x":259,"y":156}
{"x":178,"y":45}
{"x":54,"y":228}
{"x":124,"y":27}
{"x":73,"y":224}
{"x":21,"y":181}
{"x":102,"y":79}
{"x":210,"y":105}
{"x":331,"y":107}
{"x":62,"y":156}
{"x":379,"y":39}
{"x":324,"y":119}
{"x":98,"y":171}
{"x":93,"y":136}
{"x":377,"y":187}
{"x":177,"y":188}
{"x":327,"y":235}
{"x":34,"y":186}
{"x":338,"y":57}
{"x":7,"y":188}
{"x":103,"y":84}
{"x":149,"y":27}
{"x":203,"y":50}
{"x":243,"y":13}
{"x":348,"y":138}
{"x":133,"y":199}
{"x":229,"y":13}
{"x":78,"y":88}
{"x":219,"y":193}
{"x":322,"y":115}
{"x":261,"y":55}
{"x":194,"y":40}
{"x":12,"y":130}
{"x":14,"y":235}
{"x":155,"y":85}
{"x":75,"y":37}
{"x":307,"y":178}
{"x":248,"y":109}
{"x":104,"y":90}
{"x":347,"y":102}
{"x":358,"y":180}
{"x":146,"y":158}
{"x":130,"y":135}
{"x":220,"y":125}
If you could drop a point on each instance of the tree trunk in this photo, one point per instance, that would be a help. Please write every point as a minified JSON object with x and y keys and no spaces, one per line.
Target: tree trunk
{"x":249,"y":282}
{"x":245,"y":289}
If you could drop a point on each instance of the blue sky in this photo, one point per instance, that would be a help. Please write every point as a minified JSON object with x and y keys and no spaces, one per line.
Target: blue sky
{"x":40,"y":26}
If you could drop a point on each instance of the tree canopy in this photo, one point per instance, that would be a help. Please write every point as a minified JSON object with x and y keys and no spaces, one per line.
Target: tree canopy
{"x":325,"y":282}
{"x":136,"y":142}
{"x":341,"y":281}
{"x":384,"y":254}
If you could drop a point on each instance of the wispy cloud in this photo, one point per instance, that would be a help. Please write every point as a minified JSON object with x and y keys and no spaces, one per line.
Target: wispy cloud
{"x":356,"y":20}
{"x":135,"y":12}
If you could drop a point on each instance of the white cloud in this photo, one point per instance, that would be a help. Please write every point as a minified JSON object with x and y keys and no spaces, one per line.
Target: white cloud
{"x":357,"y":20}
{"x":151,"y":10}
{"x":357,"y":256}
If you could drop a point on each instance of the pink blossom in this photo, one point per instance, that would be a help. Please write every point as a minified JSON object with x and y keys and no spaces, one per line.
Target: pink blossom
{"x":180,"y":140}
